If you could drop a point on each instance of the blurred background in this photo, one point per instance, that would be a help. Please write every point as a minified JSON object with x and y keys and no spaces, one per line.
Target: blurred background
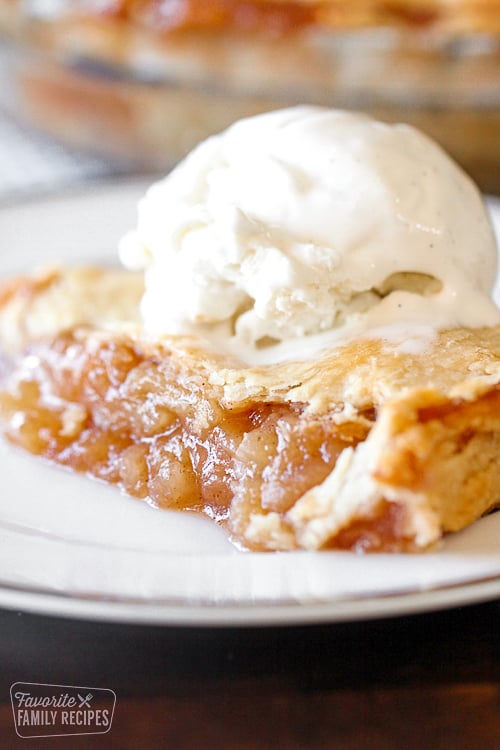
{"x":95,"y":89}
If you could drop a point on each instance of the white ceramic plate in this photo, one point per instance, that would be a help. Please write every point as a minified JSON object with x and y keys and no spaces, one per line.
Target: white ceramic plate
{"x":73,"y":547}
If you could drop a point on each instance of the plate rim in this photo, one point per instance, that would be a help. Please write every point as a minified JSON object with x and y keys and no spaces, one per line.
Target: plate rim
{"x":248,"y":615}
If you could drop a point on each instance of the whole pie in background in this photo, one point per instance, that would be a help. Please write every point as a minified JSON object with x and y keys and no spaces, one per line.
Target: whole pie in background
{"x":145,"y":80}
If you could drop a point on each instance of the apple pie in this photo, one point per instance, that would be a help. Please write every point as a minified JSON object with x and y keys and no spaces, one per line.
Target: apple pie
{"x":374,"y":445}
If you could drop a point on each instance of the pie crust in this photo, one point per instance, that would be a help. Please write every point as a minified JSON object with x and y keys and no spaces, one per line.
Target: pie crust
{"x":271,"y":16}
{"x":373,"y":446}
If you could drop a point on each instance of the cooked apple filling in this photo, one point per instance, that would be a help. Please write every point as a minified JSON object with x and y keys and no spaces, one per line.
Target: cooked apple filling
{"x":142,"y":422}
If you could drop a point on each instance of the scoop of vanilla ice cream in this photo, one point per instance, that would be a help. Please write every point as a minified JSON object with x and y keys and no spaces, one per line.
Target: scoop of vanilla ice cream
{"x":310,"y":221}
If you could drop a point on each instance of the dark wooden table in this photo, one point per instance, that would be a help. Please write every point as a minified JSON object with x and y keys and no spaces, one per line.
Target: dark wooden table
{"x":429,"y":681}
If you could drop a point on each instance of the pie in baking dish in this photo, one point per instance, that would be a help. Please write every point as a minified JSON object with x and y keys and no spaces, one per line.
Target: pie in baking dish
{"x":145,"y":80}
{"x":347,"y":451}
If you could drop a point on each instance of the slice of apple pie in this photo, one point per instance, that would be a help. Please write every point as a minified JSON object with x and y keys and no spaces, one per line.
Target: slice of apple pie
{"x":371,"y":446}
{"x":311,"y":356}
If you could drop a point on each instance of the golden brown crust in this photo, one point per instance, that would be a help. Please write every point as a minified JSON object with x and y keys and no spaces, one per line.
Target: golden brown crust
{"x":369,"y":371}
{"x":364,"y":373}
{"x":445,"y":448}
{"x":54,"y":299}
{"x":282,"y":16}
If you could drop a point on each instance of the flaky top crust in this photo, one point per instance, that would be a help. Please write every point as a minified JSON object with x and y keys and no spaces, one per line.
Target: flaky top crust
{"x":357,"y":375}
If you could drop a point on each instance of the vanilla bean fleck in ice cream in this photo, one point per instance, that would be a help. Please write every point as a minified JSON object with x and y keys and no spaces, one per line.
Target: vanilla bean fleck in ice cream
{"x":295,"y":227}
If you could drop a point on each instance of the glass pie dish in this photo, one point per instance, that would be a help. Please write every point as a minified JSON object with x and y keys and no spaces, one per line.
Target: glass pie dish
{"x":146,"y":80}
